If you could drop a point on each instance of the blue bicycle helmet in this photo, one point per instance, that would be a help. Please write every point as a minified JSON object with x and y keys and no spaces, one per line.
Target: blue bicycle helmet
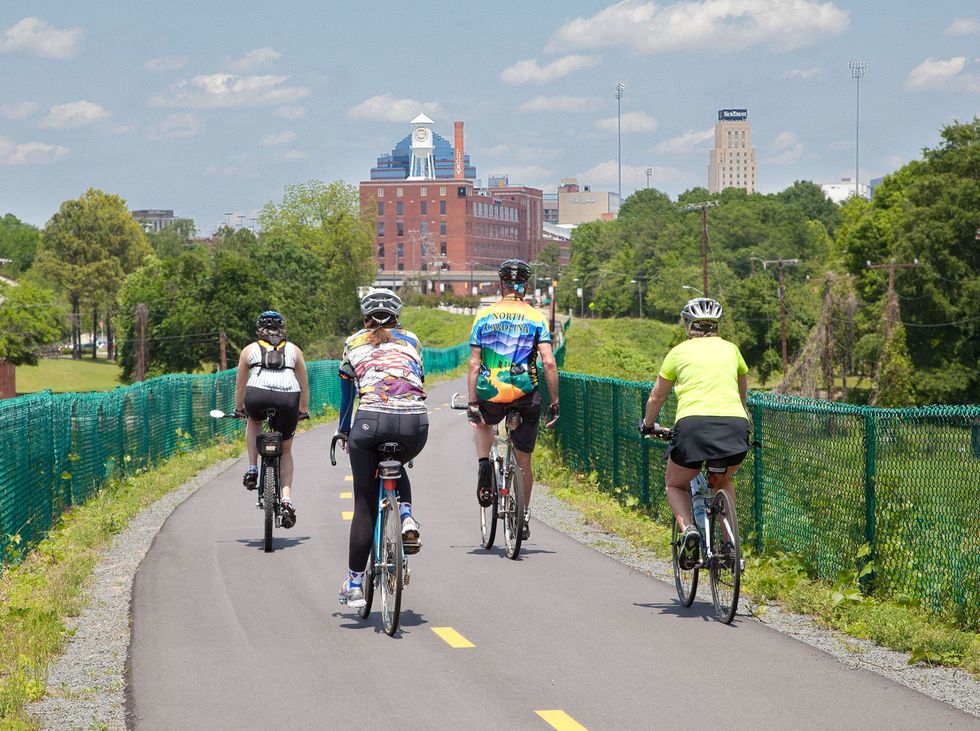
{"x":270,"y":322}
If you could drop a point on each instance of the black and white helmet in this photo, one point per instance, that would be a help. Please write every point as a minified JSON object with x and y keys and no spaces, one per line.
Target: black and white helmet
{"x":701,"y":314}
{"x":381,"y":305}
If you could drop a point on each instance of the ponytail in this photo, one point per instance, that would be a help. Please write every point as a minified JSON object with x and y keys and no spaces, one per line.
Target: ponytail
{"x":379,"y":334}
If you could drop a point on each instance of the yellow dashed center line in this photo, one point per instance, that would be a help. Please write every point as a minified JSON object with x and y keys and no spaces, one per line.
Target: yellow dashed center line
{"x":452,"y":638}
{"x":346,"y":495}
{"x":349,"y":478}
{"x":347,"y":515}
{"x":560,"y":720}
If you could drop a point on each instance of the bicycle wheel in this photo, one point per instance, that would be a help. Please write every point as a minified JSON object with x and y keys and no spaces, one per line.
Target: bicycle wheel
{"x":726,"y":560}
{"x":686,"y":582}
{"x":268,"y":501}
{"x":488,"y":515}
{"x":391,"y":568}
{"x":513,"y":506}
{"x":369,"y":580}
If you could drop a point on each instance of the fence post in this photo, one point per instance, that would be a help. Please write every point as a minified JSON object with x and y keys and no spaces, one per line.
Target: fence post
{"x":586,"y":428}
{"x":870,"y":531}
{"x":757,"y":470}
{"x":615,"y":434}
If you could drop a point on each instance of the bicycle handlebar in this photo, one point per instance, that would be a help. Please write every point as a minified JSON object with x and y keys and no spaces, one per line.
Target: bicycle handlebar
{"x":338,"y":437}
{"x":657,"y":432}
{"x":454,"y":405}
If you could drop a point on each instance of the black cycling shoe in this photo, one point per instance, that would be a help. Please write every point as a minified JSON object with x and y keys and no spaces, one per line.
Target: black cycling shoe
{"x":251,"y":479}
{"x":526,"y":529}
{"x":690,"y":549}
{"x":288,"y":514}
{"x":484,"y":484}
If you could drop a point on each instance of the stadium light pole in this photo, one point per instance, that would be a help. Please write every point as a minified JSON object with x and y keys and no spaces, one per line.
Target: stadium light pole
{"x":857,"y":71}
{"x":620,"y":87}
{"x":649,"y":173}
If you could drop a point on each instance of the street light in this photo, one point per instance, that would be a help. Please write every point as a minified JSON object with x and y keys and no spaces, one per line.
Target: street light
{"x":693,"y":289}
{"x":620,"y":87}
{"x":639,"y":294}
{"x":649,"y":173}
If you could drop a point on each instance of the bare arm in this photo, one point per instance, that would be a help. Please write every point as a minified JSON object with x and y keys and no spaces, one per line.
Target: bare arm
{"x":743,"y":391}
{"x":658,"y":394}
{"x":550,"y":369}
{"x":476,"y":362}
{"x":304,"y":383}
{"x":241,"y":378}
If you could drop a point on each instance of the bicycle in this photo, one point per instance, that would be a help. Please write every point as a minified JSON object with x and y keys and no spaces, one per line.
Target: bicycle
{"x":720,"y":550}
{"x":508,"y":489}
{"x":269,"y":442}
{"x":387,"y":566}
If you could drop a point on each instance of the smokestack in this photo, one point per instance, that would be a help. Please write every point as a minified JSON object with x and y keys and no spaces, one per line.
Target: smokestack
{"x":459,"y":170}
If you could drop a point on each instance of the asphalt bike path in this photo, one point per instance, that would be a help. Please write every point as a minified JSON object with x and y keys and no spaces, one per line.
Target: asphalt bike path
{"x":226,"y":636}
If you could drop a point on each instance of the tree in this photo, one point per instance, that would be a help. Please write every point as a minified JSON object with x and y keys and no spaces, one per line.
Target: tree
{"x":172,"y":240}
{"x":29,"y":320}
{"x":18,"y":242}
{"x":895,"y":372}
{"x":86,"y":250}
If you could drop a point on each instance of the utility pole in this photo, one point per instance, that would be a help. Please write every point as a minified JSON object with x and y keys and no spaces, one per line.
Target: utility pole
{"x":110,"y":348}
{"x":222,"y":347}
{"x":781,"y":293}
{"x":704,"y":206}
{"x":857,"y":71}
{"x":891,"y":303}
{"x":620,"y":88}
{"x":141,"y":316}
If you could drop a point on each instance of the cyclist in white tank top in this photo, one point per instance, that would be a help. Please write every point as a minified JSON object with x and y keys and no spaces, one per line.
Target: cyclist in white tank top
{"x":272,"y":375}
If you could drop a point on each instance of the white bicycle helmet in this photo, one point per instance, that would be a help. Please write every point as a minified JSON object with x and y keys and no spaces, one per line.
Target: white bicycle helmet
{"x":701,"y":314}
{"x":381,"y":305}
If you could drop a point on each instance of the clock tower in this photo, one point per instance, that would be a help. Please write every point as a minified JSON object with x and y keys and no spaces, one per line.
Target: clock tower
{"x":423,"y":165}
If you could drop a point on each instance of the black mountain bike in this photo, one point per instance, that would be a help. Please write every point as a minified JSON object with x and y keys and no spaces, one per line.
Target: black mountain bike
{"x":269,"y":443}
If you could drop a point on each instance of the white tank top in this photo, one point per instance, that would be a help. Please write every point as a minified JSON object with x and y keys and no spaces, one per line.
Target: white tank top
{"x":272,"y":380}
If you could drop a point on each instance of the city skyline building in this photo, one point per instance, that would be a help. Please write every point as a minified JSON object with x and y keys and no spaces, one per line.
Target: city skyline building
{"x":732,"y":163}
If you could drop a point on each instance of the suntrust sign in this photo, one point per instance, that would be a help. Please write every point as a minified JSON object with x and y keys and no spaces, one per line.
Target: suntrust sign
{"x":582,"y":199}
{"x":733,"y":115}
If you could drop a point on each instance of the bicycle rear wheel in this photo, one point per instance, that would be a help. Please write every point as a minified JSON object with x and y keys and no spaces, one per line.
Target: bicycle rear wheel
{"x":488,"y":515}
{"x":369,"y":581}
{"x":513,"y":507}
{"x":268,"y":501}
{"x":686,"y":582}
{"x":726,"y":560}
{"x":391,"y":568}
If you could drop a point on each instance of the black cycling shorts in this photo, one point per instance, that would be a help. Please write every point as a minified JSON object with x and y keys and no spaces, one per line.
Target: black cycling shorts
{"x":701,"y":438}
{"x":529,"y":407}
{"x":286,"y":404}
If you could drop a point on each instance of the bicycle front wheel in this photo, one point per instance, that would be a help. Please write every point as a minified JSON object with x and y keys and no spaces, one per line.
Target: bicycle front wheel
{"x":488,"y":515}
{"x":513,"y":507}
{"x":268,"y":502}
{"x":369,"y":581}
{"x":392,"y":560}
{"x":686,"y":582}
{"x":726,"y":560}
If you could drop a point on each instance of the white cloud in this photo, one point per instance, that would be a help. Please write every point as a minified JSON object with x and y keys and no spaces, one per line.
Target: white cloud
{"x":631,"y":122}
{"x":295,"y":155}
{"x":788,"y":147}
{"x":607,"y":174}
{"x":18,"y":110}
{"x":223,"y":91}
{"x":709,"y":25}
{"x":801,"y":73}
{"x":288,"y":112}
{"x":944,"y":75}
{"x":893,"y":162}
{"x":687,"y":142}
{"x":535,"y":175}
{"x":252,"y":60}
{"x":29,"y":153}
{"x":33,"y":35}
{"x":385,"y":108}
{"x":182,"y":124}
{"x":963,"y":26}
{"x":565,"y":104}
{"x":170,"y":63}
{"x":529,"y":71}
{"x":74,"y":114}
{"x":495,"y":150}
{"x":841,"y":145}
{"x":278,"y":138}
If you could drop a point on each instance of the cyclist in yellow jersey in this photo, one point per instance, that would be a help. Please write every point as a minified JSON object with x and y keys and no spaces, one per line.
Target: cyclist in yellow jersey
{"x":708,"y":375}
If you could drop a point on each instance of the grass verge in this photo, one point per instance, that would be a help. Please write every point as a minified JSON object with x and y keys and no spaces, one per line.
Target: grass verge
{"x":64,"y":374}
{"x":780,"y":577}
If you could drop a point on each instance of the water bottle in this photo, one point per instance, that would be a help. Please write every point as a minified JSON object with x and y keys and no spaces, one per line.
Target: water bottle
{"x":699,"y":491}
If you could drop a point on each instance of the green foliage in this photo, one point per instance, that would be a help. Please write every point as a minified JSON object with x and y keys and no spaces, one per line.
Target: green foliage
{"x":65,"y":374}
{"x":28,"y":321}
{"x":895,"y":372}
{"x":18,"y":242}
{"x":172,"y":240}
{"x":622,"y":348}
{"x":437,"y":328}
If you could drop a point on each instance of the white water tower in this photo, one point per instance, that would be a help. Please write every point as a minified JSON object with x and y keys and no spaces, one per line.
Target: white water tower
{"x":423,"y":165}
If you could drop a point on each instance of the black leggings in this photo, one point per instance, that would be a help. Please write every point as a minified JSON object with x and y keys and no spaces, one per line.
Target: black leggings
{"x":369,"y":430}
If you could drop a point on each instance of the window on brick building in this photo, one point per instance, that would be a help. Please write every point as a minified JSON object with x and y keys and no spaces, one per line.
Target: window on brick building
{"x":381,"y":228}
{"x":399,"y":192}
{"x":442,"y":228}
{"x":424,"y":207}
{"x":442,"y":208}
{"x":442,"y":248}
{"x":381,"y":208}
{"x":399,"y":208}
{"x":400,"y":249}
{"x":381,"y":249}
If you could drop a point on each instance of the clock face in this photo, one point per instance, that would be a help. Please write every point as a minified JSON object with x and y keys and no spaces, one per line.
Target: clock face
{"x":421,"y":134}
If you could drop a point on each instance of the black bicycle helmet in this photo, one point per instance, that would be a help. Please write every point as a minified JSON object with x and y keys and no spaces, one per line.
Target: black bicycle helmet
{"x":517,"y":271}
{"x":270,"y":322}
{"x":701,"y":314}
{"x":381,"y":305}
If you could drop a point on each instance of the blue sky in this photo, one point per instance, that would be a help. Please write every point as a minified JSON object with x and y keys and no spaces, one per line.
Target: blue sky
{"x":214,"y":109}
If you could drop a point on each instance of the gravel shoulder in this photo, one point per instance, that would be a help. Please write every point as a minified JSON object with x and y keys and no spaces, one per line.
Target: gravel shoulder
{"x":86,"y":687}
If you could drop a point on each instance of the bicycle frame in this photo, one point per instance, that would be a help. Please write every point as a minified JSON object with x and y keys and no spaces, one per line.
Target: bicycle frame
{"x":387,"y":492}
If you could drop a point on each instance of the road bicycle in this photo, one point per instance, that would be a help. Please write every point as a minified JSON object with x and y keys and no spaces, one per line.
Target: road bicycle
{"x":508,"y":488}
{"x":269,"y":443}
{"x":720,"y":551}
{"x":387,"y":566}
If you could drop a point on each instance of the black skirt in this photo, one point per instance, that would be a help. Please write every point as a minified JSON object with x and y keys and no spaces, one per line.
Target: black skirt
{"x":700,"y":438}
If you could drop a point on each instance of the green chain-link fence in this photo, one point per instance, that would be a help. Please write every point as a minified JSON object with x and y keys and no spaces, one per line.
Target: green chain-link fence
{"x":824,"y":479}
{"x":57,"y":449}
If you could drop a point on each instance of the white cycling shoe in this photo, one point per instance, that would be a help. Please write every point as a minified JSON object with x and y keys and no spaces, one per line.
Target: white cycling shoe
{"x":352,"y":595}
